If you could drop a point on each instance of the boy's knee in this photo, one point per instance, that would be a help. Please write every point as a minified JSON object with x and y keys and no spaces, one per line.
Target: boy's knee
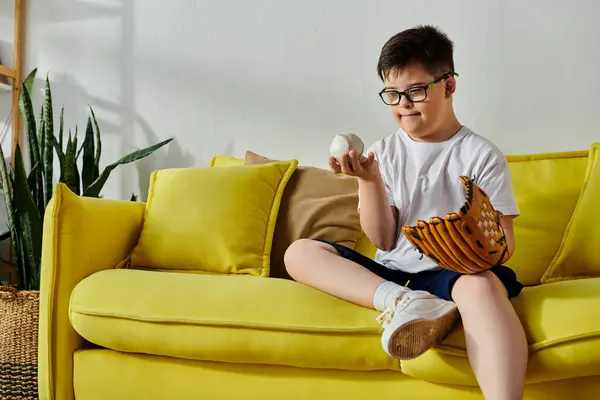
{"x":470,"y":288}
{"x":294,"y":251}
{"x":296,"y":255}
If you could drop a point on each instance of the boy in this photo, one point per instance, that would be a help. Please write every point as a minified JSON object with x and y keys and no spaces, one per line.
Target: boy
{"x":414,"y":174}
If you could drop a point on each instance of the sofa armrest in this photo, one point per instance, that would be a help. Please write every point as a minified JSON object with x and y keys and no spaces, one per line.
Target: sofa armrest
{"x":81,"y":236}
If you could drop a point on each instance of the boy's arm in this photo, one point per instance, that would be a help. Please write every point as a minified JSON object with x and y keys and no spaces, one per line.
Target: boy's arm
{"x":378,"y":218}
{"x":495,"y":179}
{"x":507,"y":224}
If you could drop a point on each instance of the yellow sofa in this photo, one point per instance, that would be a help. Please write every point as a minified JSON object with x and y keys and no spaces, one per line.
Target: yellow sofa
{"x":108,"y":332}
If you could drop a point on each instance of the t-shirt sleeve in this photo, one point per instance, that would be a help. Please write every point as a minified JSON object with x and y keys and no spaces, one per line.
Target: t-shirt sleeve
{"x":384,"y":171}
{"x":495,"y":179}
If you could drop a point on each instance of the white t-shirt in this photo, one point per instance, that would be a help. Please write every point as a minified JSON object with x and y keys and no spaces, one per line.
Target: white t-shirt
{"x":423,"y":180}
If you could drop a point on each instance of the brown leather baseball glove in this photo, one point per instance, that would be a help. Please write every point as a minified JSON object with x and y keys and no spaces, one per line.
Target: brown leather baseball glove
{"x":468,"y":241}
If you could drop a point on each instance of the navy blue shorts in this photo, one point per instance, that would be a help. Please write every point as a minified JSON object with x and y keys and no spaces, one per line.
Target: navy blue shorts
{"x":438,"y":283}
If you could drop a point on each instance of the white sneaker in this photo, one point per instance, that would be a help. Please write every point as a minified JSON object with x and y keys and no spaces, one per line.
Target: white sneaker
{"x":415,"y":323}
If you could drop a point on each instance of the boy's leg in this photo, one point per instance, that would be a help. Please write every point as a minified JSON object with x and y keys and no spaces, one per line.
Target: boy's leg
{"x":413,"y":321}
{"x":319,"y":265}
{"x":496,"y":342}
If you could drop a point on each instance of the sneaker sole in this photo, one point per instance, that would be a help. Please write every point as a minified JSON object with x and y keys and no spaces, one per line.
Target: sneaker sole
{"x":418,"y":336}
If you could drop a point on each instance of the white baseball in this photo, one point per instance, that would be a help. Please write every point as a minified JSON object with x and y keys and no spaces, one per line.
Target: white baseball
{"x":343,"y":143}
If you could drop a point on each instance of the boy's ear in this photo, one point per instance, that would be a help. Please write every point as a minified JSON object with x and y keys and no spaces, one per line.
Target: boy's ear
{"x":450,"y":86}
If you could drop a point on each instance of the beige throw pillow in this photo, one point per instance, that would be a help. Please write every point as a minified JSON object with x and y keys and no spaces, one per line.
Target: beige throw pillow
{"x":316,"y":204}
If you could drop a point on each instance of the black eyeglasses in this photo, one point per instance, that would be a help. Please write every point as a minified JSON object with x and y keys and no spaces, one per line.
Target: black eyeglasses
{"x":391,"y":97}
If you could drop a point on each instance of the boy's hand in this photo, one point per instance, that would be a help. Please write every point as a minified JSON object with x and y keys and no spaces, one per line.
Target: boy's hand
{"x":349,"y":164}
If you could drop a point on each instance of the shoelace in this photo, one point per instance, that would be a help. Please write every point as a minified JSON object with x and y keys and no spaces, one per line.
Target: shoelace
{"x":385,"y":318}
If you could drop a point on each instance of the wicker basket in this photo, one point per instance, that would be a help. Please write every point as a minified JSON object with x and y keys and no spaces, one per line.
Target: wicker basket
{"x":19,"y":319}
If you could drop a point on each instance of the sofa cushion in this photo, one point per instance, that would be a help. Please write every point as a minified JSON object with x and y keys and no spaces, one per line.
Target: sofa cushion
{"x":239,"y":319}
{"x":219,"y":220}
{"x":578,"y":256}
{"x":245,"y":319}
{"x":147,"y":377}
{"x":547,"y":187}
{"x":562,"y":332}
{"x":316,"y":204}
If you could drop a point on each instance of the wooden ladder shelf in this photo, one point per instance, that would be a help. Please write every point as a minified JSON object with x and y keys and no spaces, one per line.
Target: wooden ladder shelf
{"x":15,"y":74}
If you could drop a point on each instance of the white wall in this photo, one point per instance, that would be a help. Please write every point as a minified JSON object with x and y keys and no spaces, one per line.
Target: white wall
{"x":282,"y":77}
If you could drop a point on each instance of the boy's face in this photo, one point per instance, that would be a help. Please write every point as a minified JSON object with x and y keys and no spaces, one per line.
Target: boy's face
{"x":421,"y":120}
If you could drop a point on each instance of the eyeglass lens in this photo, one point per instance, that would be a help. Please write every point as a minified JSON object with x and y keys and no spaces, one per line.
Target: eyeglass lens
{"x":393,"y":97}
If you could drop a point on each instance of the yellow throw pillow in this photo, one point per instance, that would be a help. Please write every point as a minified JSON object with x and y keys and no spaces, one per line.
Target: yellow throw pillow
{"x":578,"y":255}
{"x":547,"y":187}
{"x":225,"y":161}
{"x":216,"y":220}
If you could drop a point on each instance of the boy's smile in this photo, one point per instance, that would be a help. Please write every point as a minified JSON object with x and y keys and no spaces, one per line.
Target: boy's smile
{"x":429,"y":117}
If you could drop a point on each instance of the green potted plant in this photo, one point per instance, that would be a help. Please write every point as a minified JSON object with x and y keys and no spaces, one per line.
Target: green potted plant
{"x":27,"y":192}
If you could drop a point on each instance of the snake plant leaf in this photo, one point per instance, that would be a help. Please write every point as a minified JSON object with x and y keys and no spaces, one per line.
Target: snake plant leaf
{"x":80,"y":151}
{"x":11,"y":177}
{"x":23,"y":267}
{"x":17,"y":236}
{"x":94,"y":189}
{"x":42,"y":138}
{"x":58,"y":144}
{"x":17,"y":240}
{"x":30,"y":80}
{"x":76,"y":168}
{"x":87,"y":170}
{"x":31,"y":177}
{"x":31,"y":182}
{"x":40,"y":131}
{"x":20,"y":264}
{"x":29,"y":220}
{"x":69,"y":177}
{"x":39,"y":187}
{"x":47,"y":148}
{"x":6,"y":184}
{"x":7,"y":187}
{"x":28,"y":117}
{"x":42,"y":143}
{"x":16,"y":233}
{"x":61,"y":128}
{"x":61,"y":157}
{"x":98,"y":145}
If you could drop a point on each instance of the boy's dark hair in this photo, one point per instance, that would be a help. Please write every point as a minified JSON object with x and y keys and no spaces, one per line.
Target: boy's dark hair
{"x":422,"y":44}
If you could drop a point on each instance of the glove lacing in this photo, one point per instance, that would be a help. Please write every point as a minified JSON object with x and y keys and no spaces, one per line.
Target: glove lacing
{"x":420,"y":252}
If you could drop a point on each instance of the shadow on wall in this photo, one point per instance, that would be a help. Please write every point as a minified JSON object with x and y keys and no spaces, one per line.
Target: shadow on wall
{"x":118,"y":120}
{"x":76,"y":100}
{"x":260,"y":114}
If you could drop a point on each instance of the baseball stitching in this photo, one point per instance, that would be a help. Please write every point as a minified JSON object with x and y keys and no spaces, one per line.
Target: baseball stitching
{"x":349,"y":142}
